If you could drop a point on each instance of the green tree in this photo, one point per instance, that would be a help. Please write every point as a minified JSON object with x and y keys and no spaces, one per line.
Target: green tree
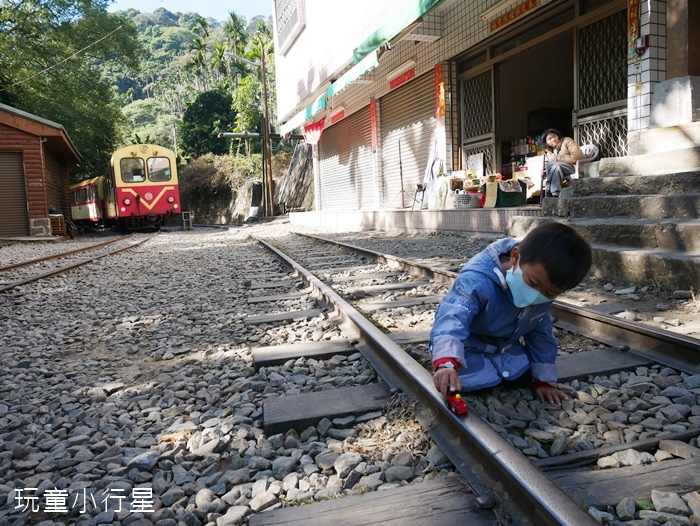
{"x":209,"y":115}
{"x":150,"y":118}
{"x":49,"y":51}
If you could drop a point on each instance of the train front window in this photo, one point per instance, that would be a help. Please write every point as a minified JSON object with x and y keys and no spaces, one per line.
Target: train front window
{"x":159,"y":169}
{"x":132,"y":170}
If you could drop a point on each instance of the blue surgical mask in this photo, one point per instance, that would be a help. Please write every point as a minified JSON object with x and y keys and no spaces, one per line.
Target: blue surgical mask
{"x":523,"y":294}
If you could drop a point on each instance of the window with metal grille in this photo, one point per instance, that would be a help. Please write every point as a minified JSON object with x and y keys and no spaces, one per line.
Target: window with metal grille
{"x":603,"y":62}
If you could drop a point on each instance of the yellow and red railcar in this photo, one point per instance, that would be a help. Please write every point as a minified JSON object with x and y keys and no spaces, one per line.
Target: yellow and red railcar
{"x":87,"y":201}
{"x":138,"y":191}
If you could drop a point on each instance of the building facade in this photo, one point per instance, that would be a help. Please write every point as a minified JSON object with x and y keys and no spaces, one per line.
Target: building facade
{"x":400,"y":90}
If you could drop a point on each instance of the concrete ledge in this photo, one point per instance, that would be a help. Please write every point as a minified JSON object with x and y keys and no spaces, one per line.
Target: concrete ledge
{"x":658,"y":163}
{"x":655,"y":140}
{"x":676,"y":101}
{"x":487,"y":220}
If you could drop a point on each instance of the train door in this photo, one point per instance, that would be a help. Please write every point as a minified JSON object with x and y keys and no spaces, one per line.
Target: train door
{"x":110,"y":195}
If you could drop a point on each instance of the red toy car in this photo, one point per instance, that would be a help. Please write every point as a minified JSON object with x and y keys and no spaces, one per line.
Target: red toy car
{"x":456,"y":404}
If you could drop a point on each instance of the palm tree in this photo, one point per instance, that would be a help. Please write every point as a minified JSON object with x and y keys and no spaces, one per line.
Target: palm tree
{"x":261,"y":49}
{"x":219,"y":60}
{"x":235,"y":31}
{"x":198,"y":61}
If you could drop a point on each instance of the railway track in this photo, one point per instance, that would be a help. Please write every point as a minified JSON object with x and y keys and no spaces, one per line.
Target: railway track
{"x":24,"y":272}
{"x":552,"y":488}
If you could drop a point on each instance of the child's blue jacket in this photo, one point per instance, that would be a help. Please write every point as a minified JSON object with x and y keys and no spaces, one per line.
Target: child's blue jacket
{"x":477,"y":324}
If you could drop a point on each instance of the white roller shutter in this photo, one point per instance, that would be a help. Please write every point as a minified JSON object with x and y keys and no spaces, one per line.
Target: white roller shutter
{"x":14,"y":218}
{"x":346,"y":178}
{"x":408,"y":123}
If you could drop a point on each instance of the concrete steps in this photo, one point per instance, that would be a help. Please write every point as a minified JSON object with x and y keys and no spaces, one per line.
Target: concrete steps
{"x":664,"y":235}
{"x":679,"y":206}
{"x":640,"y":213}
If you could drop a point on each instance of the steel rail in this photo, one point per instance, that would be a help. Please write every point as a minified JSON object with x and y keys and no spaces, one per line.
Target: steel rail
{"x":484,"y":458}
{"x":662,"y":346}
{"x":668,"y":348}
{"x":68,"y":267}
{"x":62,"y":254}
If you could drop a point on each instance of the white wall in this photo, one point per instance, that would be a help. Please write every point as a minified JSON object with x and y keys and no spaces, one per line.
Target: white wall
{"x":324,"y":47}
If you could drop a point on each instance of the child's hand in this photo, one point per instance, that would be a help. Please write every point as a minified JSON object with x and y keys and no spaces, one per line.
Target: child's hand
{"x":550,"y":393}
{"x":444,"y":377}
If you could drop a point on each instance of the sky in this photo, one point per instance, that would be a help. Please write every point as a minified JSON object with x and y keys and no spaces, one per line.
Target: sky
{"x":216,"y":9}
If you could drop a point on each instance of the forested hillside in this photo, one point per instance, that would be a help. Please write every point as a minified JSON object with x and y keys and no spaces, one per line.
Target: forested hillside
{"x":115,"y":78}
{"x":190,"y":86}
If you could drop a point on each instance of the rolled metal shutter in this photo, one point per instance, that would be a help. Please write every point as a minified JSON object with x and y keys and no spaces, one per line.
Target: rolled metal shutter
{"x":346,"y":176}
{"x":408,"y":125}
{"x":14,"y":218}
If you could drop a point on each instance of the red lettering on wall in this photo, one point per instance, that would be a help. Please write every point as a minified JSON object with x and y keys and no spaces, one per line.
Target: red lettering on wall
{"x":402,"y":79}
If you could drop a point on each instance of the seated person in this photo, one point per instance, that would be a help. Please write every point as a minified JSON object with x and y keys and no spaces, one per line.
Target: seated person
{"x":494,"y":324}
{"x":560,"y":155}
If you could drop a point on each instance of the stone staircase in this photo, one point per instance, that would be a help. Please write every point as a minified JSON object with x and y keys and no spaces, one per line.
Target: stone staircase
{"x":640,"y":213}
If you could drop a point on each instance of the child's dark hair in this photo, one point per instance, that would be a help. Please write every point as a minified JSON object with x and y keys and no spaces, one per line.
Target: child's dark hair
{"x":564,"y":254}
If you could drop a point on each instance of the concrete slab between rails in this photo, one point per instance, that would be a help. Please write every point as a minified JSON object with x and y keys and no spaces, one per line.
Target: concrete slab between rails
{"x":278,"y":297}
{"x":596,"y":362}
{"x":363,"y":277}
{"x":282,"y":316}
{"x":409,"y":337}
{"x":271,"y":284}
{"x":301,"y":411}
{"x":404,"y":302}
{"x":279,"y":354}
{"x":444,"y":502}
{"x":376,"y":289}
{"x":266,"y":275}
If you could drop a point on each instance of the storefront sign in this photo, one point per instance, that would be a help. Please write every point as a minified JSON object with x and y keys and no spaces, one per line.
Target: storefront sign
{"x":337,"y":116}
{"x":517,"y":12}
{"x":373,"y":123}
{"x":632,"y":28}
{"x":402,"y":78}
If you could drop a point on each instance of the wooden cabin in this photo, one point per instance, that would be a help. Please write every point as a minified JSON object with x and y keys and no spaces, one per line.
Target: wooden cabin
{"x":36,"y":159}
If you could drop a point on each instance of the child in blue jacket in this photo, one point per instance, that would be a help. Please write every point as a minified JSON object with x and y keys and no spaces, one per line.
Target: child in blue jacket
{"x":494,"y":323}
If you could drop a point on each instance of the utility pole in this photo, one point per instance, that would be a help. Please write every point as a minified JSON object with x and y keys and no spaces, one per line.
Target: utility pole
{"x":266,"y":133}
{"x":268,"y":195}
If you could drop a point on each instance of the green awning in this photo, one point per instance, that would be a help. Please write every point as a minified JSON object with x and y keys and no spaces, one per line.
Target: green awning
{"x":354,"y":73}
{"x":304,"y":115}
{"x":410,"y":11}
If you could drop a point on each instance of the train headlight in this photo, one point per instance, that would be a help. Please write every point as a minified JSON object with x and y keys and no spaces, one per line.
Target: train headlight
{"x":127,"y":201}
{"x":176,"y":207}
{"x":171,"y":199}
{"x":123,"y":209}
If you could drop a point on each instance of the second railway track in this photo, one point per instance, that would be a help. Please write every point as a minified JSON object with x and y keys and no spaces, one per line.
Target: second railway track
{"x":20,"y":273}
{"x":248,"y":394}
{"x":503,"y":473}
